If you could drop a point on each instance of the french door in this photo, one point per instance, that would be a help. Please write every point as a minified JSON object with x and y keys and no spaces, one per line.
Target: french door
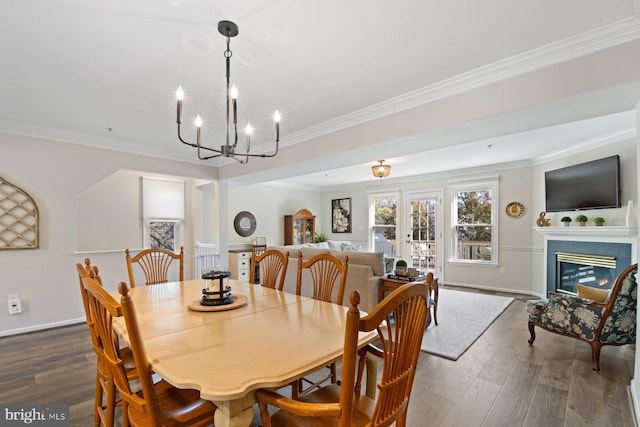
{"x":424,"y":231}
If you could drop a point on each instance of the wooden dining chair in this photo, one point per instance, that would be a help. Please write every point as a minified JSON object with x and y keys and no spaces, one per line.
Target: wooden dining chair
{"x":324,"y":270}
{"x":155,"y":263}
{"x":399,"y":320}
{"x":105,"y":395}
{"x":157,"y":404}
{"x":272,"y":264}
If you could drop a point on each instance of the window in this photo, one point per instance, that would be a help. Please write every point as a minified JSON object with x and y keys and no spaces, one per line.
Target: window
{"x":163,"y":234}
{"x":383,"y":223}
{"x":473,"y":222}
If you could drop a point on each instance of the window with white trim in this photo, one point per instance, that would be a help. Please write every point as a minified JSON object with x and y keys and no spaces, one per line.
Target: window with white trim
{"x":474,"y":222}
{"x":383,"y":223}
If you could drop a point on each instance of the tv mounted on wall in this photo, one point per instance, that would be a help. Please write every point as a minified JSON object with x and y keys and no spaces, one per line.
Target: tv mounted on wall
{"x":591,"y":185}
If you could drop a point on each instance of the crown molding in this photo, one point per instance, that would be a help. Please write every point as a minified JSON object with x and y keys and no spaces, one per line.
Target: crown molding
{"x":563,"y":50}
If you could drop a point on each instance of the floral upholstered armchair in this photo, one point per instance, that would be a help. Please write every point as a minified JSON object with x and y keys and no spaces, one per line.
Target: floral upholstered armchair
{"x":612,"y":322}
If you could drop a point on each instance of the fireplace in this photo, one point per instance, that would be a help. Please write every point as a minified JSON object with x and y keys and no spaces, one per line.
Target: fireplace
{"x":596,"y":271}
{"x":595,"y":264}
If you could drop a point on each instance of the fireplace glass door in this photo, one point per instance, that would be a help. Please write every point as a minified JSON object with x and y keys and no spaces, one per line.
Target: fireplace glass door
{"x":572,"y":269}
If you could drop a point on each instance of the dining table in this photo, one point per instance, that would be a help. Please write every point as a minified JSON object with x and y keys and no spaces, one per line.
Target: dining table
{"x":272,"y":340}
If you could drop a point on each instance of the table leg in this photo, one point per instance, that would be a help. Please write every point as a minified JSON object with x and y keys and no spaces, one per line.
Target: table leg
{"x":371,"y":363}
{"x":232,"y":414}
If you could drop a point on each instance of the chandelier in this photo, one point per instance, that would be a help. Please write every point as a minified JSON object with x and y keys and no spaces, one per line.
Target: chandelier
{"x":227,"y":29}
{"x":381,"y":170}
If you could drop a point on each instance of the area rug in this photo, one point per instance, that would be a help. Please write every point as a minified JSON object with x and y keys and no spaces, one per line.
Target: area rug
{"x":462,"y":318}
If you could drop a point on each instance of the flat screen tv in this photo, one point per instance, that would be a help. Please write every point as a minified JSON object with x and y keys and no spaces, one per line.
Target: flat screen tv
{"x":591,"y":185}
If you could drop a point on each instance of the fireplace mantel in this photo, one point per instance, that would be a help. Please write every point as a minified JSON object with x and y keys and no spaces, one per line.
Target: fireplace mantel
{"x":588,"y":231}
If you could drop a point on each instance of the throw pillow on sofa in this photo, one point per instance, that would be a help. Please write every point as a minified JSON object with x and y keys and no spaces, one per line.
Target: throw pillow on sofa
{"x":351,"y":247}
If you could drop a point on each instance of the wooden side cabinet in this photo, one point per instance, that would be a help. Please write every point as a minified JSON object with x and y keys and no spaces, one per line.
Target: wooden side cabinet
{"x":239,"y":262}
{"x":299,"y":228}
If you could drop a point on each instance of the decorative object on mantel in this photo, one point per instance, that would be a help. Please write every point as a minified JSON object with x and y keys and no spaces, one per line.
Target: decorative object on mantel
{"x":581,"y":220}
{"x":19,"y":219}
{"x":566,"y":221}
{"x":542,"y":221}
{"x":599,"y":221}
{"x":381,"y":170}
{"x":227,"y":29}
{"x":515,"y":209}
{"x":631,"y":215}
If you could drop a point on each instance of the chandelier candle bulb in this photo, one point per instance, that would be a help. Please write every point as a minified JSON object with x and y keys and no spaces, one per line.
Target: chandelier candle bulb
{"x":248,"y":131}
{"x":276,"y":117}
{"x":234,"y":98}
{"x":179,"y":97}
{"x":198,"y":125}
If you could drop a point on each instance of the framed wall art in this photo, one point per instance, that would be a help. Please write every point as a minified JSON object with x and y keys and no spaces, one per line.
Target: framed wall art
{"x":341,"y":215}
{"x":161,"y":233}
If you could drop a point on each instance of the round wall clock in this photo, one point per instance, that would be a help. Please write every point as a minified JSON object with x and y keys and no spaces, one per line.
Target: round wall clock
{"x":244,"y":223}
{"x":515,"y":209}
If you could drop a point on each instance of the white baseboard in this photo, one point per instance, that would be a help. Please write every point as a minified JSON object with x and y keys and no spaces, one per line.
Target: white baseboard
{"x":41,"y":327}
{"x":491,"y":288}
{"x":634,"y":401}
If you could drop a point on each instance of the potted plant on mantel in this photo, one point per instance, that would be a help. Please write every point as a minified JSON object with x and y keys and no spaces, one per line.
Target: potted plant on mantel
{"x":565,"y":220}
{"x":581,"y":220}
{"x":598,"y":220}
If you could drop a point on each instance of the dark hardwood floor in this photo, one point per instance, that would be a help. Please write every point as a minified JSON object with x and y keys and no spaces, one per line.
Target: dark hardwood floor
{"x":499,"y":381}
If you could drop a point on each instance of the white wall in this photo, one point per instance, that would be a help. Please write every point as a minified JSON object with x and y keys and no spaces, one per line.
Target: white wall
{"x":635,"y":383}
{"x":56,"y":174}
{"x":520,"y":248}
{"x":269,"y":204}
{"x":629,"y":183}
{"x":514,"y":235}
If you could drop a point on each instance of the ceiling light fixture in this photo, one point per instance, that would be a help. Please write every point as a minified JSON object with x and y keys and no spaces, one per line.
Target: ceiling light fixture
{"x":227,"y":29}
{"x":381,"y":170}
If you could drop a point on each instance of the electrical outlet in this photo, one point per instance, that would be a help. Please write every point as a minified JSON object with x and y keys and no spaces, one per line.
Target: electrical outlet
{"x":15,"y":306}
{"x":503,"y":271}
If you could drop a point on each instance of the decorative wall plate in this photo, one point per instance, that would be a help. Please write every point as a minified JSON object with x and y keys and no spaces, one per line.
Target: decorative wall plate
{"x":515,"y":209}
{"x":245,"y":223}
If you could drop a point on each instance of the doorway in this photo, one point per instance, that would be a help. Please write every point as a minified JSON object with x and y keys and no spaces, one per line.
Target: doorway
{"x":424,"y":236}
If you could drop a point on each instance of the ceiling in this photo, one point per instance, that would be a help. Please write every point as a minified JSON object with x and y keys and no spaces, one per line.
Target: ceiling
{"x":105,"y":74}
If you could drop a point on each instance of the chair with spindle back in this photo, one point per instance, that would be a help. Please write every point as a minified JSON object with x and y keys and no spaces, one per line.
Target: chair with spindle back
{"x":104,"y":412}
{"x":399,"y":320}
{"x":272,"y":264}
{"x":155,"y":263}
{"x":324,"y":270}
{"x":159,"y":403}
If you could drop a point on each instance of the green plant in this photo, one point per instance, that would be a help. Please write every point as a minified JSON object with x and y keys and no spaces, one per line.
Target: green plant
{"x":598,"y":220}
{"x":581,"y":218}
{"x":320,"y":237}
{"x":401,"y":263}
{"x":565,"y":219}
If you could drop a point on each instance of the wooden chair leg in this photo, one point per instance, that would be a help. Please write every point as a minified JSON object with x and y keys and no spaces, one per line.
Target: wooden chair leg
{"x":111,"y":403}
{"x":595,"y":355}
{"x":532,"y":333}
{"x":97,"y":405}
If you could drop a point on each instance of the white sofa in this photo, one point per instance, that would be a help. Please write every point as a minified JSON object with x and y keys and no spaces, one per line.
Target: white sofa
{"x":364,"y":272}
